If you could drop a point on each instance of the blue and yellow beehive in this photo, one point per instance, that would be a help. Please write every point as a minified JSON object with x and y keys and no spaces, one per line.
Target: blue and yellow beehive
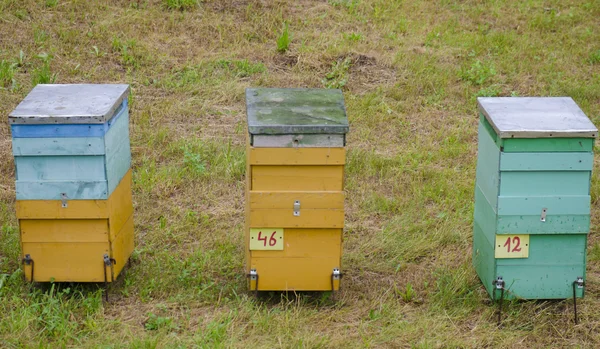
{"x":73,"y":182}
{"x":532,"y":197}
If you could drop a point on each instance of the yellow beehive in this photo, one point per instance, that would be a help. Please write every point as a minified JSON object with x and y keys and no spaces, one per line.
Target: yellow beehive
{"x":295,"y":183}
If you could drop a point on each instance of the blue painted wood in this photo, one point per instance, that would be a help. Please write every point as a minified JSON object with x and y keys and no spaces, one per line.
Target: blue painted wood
{"x":67,"y":130}
{"x":488,"y":163}
{"x":83,"y":177}
{"x":50,"y":190}
{"x":545,"y":183}
{"x":60,"y":168}
{"x":533,"y":205}
{"x":58,"y":146}
{"x":546,"y":161}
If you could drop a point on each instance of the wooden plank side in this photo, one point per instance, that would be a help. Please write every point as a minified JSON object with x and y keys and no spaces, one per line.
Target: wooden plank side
{"x":544,"y":183}
{"x":512,"y":145}
{"x":554,"y":205}
{"x":297,"y":178}
{"x":51,"y":190}
{"x":488,"y":163}
{"x":52,"y":209}
{"x":485,"y":216}
{"x":117,"y":165}
{"x":554,"y":224}
{"x":297,"y":156}
{"x":308,"y":200}
{"x":309,"y":218}
{"x":306,"y":243}
{"x":58,"y":146}
{"x":295,"y":274}
{"x":62,"y":168}
{"x":120,"y":205}
{"x":122,"y":246}
{"x":580,"y":161}
{"x":64,"y":230}
{"x":66,"y":261}
{"x":561,"y":256}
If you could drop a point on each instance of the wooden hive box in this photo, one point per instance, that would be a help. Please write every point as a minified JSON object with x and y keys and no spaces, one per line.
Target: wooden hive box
{"x":73,"y":182}
{"x":294,"y":192}
{"x":532,"y":196}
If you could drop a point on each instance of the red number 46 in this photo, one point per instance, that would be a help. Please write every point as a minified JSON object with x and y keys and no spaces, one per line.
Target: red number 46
{"x":272,"y":239}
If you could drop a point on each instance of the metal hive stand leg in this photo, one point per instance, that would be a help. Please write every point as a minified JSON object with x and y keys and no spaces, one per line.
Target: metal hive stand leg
{"x":27,"y":261}
{"x":579,"y":283}
{"x":499,"y":285}
{"x":108,"y":262}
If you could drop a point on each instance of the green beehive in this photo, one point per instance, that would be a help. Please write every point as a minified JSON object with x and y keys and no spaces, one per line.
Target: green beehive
{"x":532,"y":196}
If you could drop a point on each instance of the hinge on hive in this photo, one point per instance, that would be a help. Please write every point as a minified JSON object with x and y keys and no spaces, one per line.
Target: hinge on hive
{"x":63,"y":200}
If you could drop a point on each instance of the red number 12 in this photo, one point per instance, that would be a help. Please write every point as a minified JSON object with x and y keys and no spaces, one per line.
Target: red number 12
{"x":517,"y":241}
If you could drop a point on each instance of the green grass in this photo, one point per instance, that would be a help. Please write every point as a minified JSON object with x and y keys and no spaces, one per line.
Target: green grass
{"x":410,"y":72}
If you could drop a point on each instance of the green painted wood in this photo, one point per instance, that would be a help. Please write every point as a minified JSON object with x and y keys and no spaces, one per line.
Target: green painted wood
{"x":555,"y":224}
{"x":554,"y":262}
{"x":488,"y":162}
{"x":117,"y":165}
{"x":483,"y":258}
{"x":58,"y":146}
{"x":544,"y":183}
{"x":548,"y":145}
{"x":485,"y":216}
{"x":546,"y":161}
{"x":533,"y":205}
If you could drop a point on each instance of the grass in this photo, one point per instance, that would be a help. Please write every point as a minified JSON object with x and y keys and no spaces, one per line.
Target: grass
{"x":410,"y":72}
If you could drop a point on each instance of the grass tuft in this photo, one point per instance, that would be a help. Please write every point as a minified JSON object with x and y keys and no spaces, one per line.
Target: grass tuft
{"x":283,"y":40}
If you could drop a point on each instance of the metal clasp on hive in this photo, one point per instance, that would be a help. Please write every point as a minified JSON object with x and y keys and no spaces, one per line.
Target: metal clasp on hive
{"x":63,"y":200}
{"x":543,"y":215}
{"x":297,"y":208}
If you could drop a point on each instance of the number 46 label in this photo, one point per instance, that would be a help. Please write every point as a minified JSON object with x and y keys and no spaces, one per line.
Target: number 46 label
{"x":512,"y":246}
{"x":266,"y":239}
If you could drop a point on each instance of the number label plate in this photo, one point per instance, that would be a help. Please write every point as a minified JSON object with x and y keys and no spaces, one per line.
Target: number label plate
{"x":512,"y":246}
{"x":266,"y":239}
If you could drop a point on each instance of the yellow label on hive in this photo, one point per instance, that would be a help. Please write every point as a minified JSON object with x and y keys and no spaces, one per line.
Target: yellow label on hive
{"x":512,"y":246}
{"x":266,"y":239}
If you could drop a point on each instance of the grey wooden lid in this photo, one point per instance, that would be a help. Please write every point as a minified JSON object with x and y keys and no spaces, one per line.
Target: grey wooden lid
{"x":536,"y":117}
{"x":273,"y":111}
{"x":70,"y":104}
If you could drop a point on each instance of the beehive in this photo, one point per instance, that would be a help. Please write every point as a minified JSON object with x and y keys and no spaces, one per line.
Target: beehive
{"x":532,"y":196}
{"x":295,"y":183}
{"x":73,"y":182}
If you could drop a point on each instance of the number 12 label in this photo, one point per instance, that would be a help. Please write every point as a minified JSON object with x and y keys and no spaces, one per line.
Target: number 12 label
{"x":266,"y":239}
{"x":512,"y":246}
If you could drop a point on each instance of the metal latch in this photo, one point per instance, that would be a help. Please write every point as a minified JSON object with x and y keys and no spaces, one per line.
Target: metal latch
{"x":63,"y":199}
{"x":579,"y":282}
{"x":253,"y":275}
{"x":543,"y":216}
{"x":499,"y":283}
{"x":297,"y":208}
{"x":336,"y":274}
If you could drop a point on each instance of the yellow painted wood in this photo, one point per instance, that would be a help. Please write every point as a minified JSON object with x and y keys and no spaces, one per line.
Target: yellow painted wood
{"x":307,"y":243}
{"x":294,"y":274}
{"x":309,"y":218}
{"x":297,"y":178}
{"x":309,"y":200}
{"x":122,"y":246}
{"x":52,"y":209}
{"x":66,"y":261}
{"x":512,"y":246}
{"x":120,"y":205}
{"x":64,"y":230}
{"x":297,"y":156}
{"x":266,"y":239}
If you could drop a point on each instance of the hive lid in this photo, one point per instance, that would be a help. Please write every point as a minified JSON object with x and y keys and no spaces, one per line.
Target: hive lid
{"x":273,"y":111}
{"x":70,"y":104}
{"x":536,"y":117}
